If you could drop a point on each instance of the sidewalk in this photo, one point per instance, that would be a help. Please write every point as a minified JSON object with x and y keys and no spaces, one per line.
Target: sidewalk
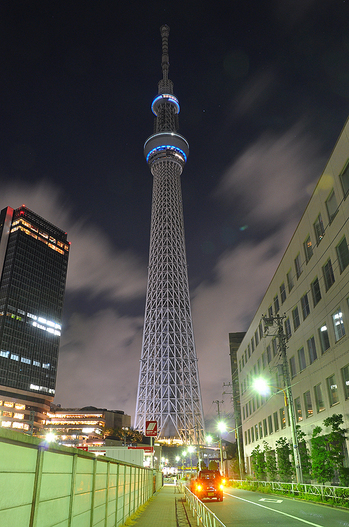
{"x":161,"y":509}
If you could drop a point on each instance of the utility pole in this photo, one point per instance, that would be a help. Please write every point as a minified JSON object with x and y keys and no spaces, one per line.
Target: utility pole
{"x":282,"y":340}
{"x":237,"y":419}
{"x":220,"y":433}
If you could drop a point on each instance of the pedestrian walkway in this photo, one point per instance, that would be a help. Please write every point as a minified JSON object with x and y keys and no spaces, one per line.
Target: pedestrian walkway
{"x":160,"y":511}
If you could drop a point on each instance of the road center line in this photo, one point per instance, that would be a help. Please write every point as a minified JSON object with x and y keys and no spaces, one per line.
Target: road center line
{"x":279,"y":512}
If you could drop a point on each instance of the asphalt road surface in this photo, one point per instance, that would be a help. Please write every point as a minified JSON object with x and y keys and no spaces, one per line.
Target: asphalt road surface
{"x":242,"y":508}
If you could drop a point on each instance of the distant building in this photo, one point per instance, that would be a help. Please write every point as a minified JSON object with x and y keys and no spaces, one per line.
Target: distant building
{"x":311,"y":288}
{"x":33,"y":268}
{"x":81,"y":426}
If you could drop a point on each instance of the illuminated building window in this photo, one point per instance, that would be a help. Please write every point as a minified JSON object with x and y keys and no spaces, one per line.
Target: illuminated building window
{"x":19,"y":406}
{"x":26,"y":361}
{"x":46,"y":366}
{"x":18,"y":416}
{"x":338,"y":324}
{"x":18,"y":425}
{"x":332,"y":390}
{"x":4,"y":354}
{"x":324,"y":338}
{"x":36,"y":363}
{"x":9,"y":404}
{"x":14,"y":357}
{"x":7,"y":414}
{"x":6,"y":424}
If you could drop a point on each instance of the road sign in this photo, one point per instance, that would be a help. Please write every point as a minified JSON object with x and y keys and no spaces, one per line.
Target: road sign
{"x":151,"y":428}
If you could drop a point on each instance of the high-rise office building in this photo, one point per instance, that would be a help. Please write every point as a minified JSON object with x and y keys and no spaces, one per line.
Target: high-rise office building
{"x":33,"y":268}
{"x":169,"y":388}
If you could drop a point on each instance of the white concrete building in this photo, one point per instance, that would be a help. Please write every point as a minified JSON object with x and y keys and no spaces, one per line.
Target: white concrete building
{"x":311,"y":287}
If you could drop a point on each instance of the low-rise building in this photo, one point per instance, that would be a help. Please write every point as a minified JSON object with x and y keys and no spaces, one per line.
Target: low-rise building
{"x":83,"y":426}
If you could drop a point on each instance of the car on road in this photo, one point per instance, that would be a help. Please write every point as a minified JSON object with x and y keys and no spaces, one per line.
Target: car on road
{"x":209,"y":484}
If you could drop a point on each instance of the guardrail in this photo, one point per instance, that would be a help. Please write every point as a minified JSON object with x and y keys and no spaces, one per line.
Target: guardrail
{"x":204,"y":516}
{"x":325,"y":492}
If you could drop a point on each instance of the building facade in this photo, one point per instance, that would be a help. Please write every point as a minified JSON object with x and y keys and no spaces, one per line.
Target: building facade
{"x":310,"y":290}
{"x":33,"y":268}
{"x":168,"y":387}
{"x":83,"y":426}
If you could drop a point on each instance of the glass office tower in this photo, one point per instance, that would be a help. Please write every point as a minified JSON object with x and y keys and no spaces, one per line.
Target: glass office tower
{"x":33,"y":266}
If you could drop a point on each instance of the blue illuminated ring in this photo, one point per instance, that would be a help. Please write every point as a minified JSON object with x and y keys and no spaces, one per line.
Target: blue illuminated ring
{"x":166,"y":147}
{"x":165,"y":96}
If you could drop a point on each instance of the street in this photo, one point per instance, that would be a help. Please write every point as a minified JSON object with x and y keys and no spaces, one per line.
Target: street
{"x":242,"y":508}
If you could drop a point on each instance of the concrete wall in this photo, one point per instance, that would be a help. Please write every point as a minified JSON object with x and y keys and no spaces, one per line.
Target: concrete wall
{"x":56,"y":486}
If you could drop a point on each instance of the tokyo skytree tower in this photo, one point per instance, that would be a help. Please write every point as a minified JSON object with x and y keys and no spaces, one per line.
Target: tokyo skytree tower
{"x":169,"y":387}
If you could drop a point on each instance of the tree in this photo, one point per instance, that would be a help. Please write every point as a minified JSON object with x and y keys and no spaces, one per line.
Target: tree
{"x":336,"y":444}
{"x":304,"y":455}
{"x":124,"y":434}
{"x":321,"y":465}
{"x":283,"y":452}
{"x":258,"y":463}
{"x":270,"y":461}
{"x":213,"y":465}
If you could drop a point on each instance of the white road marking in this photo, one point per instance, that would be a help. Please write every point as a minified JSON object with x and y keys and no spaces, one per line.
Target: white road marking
{"x":270,"y":500}
{"x":274,"y":510}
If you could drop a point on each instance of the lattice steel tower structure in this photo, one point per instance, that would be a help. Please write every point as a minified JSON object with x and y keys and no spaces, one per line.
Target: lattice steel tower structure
{"x":169,"y":387}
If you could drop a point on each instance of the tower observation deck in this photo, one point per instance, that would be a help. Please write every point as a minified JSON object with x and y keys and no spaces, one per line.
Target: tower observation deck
{"x":169,"y":387}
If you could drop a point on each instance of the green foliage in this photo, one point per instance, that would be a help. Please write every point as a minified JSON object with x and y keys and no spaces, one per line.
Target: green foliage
{"x":283,"y":452}
{"x":258,"y":463}
{"x":270,"y":461}
{"x":235,"y":469}
{"x":304,"y":455}
{"x":120,"y":434}
{"x":213,"y":465}
{"x":336,"y":444}
{"x":321,"y":465}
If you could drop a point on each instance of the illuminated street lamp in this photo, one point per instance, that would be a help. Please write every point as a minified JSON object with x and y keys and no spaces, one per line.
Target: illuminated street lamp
{"x":209,"y":440}
{"x":222,"y":427}
{"x":50,"y":437}
{"x":262,"y":387}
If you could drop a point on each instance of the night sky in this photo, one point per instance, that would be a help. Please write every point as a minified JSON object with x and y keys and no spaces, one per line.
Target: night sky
{"x":264,"y":94}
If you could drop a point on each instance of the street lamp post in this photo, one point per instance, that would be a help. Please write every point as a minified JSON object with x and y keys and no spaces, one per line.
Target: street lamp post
{"x":222,"y":428}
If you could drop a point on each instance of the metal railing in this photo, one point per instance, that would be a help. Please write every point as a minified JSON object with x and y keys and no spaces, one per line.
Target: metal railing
{"x":204,"y":517}
{"x":325,"y":492}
